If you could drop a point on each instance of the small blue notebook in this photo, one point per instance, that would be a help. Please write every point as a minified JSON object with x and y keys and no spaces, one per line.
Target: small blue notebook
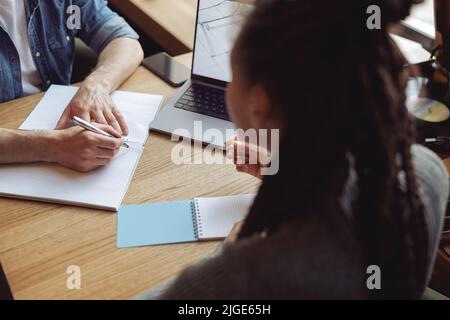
{"x":182,"y":221}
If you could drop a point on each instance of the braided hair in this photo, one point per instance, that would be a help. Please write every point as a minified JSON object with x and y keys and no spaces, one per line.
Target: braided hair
{"x":339,"y":88}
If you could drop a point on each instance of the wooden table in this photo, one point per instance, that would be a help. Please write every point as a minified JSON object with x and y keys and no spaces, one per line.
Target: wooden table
{"x":170,"y":23}
{"x":38,"y":241}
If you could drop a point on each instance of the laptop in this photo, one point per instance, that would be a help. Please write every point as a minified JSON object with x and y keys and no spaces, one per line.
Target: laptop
{"x":198,"y":107}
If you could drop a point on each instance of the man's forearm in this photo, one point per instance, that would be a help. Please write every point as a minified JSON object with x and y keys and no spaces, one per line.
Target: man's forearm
{"x":18,"y":146}
{"x":116,"y":63}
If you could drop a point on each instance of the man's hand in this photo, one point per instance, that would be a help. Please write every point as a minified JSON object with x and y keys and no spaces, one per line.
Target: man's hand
{"x":93,"y":103}
{"x":82,"y":150}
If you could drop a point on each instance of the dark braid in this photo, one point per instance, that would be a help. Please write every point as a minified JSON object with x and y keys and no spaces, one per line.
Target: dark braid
{"x":340,"y":89}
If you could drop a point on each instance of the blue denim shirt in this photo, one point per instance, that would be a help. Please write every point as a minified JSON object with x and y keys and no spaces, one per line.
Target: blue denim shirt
{"x":52,"y":40}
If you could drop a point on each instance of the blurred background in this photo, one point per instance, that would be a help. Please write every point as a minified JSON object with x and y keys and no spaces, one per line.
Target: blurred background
{"x":168,"y":25}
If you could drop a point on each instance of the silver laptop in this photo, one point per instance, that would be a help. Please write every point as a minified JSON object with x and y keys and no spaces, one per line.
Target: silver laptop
{"x":199,"y":105}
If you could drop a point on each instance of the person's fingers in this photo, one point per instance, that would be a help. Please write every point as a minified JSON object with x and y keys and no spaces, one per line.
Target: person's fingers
{"x":246,"y":153}
{"x":102,"y":161}
{"x":85,"y":167}
{"x":98,"y":117}
{"x":230,"y":143}
{"x":241,"y":152}
{"x":75,"y":130}
{"x":64,"y":121}
{"x":230,"y":149}
{"x":112,"y":121}
{"x":236,"y":228}
{"x":85,"y":116}
{"x":253,"y":170}
{"x":232,"y":236}
{"x":106,"y":153}
{"x":242,"y":168}
{"x":108,"y":143}
{"x":240,"y":160}
{"x":246,"y":147}
{"x":109,"y":129}
{"x":121,"y":119}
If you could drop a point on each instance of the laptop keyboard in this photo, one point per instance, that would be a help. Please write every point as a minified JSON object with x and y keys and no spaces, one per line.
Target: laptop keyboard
{"x":204,"y":100}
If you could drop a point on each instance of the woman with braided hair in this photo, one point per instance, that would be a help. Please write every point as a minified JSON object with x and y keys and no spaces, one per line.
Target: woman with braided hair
{"x":352,"y":190}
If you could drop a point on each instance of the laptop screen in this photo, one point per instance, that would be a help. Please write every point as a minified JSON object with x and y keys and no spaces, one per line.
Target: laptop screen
{"x":218,"y":23}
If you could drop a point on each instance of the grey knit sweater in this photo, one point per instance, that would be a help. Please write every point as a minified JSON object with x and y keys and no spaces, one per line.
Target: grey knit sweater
{"x":287,"y":265}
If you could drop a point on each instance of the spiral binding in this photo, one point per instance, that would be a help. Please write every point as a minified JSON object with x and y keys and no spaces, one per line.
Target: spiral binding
{"x":196,"y":218}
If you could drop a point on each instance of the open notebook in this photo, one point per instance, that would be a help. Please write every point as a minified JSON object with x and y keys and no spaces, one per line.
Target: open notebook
{"x":104,"y":188}
{"x":181,"y":221}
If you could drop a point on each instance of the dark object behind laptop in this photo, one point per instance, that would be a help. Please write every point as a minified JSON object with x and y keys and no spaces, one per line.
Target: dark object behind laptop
{"x":5,"y":291}
{"x":167,"y":68}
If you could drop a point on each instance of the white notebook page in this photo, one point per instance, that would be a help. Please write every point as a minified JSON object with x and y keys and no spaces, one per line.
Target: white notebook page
{"x":103,"y":188}
{"x":217,"y":216}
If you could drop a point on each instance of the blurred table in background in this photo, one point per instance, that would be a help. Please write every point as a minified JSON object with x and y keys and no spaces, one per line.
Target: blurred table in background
{"x":170,"y":23}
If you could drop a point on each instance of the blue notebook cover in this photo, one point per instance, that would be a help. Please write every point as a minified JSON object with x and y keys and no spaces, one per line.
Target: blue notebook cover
{"x":162,"y":223}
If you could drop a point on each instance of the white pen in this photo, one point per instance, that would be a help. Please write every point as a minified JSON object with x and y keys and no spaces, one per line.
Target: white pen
{"x":89,"y":126}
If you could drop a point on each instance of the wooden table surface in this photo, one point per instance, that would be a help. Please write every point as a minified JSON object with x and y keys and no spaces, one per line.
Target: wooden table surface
{"x":39,"y":241}
{"x":170,"y":23}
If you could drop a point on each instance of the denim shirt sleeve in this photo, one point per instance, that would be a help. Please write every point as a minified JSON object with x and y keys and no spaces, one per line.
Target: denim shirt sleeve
{"x":100,"y":25}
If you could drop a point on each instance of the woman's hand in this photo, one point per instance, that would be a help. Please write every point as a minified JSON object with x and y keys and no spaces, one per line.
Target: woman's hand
{"x":232,"y":237}
{"x":82,"y":150}
{"x":250,"y":151}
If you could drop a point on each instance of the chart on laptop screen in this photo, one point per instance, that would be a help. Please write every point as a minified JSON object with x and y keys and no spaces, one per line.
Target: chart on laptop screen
{"x":219,"y":22}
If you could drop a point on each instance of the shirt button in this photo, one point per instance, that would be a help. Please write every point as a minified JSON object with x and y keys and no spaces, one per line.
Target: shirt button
{"x":38,"y":54}
{"x":68,"y":38}
{"x":49,"y":82}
